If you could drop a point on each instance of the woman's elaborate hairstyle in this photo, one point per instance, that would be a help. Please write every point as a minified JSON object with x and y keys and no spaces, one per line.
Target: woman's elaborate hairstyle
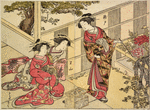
{"x":86,"y":18}
{"x":60,"y":39}
{"x":38,"y":45}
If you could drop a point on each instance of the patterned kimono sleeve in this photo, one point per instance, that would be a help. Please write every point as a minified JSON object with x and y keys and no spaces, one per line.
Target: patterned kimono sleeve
{"x":13,"y":65}
{"x":35,"y":71}
{"x":105,"y":45}
{"x":90,"y":50}
{"x":109,"y":41}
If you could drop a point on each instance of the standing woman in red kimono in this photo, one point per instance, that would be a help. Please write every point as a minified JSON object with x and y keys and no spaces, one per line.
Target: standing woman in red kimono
{"x":42,"y":71}
{"x":99,"y":50}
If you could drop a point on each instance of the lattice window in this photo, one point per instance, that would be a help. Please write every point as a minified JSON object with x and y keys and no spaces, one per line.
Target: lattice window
{"x":115,"y":32}
{"x":138,"y":23}
{"x":140,"y":8}
{"x":82,"y":47}
{"x":85,"y":63}
{"x":114,"y":17}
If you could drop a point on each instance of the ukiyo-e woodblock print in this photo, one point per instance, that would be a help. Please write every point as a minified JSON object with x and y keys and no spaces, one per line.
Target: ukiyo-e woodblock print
{"x":75,"y":54}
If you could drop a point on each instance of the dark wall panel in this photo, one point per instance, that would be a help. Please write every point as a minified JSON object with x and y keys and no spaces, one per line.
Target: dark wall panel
{"x":138,"y":24}
{"x":140,"y":8}
{"x":85,"y":63}
{"x":115,"y":32}
{"x":82,"y":47}
{"x":114,"y":17}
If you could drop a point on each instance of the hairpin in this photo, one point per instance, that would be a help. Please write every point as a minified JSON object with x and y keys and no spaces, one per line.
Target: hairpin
{"x":36,"y":43}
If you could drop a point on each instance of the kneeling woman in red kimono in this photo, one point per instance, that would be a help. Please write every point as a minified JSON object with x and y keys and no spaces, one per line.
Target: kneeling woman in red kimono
{"x":42,"y":71}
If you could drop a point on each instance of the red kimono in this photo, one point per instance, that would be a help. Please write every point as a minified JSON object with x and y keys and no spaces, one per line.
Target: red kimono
{"x":46,"y":84}
{"x":13,"y":65}
{"x":100,"y":70}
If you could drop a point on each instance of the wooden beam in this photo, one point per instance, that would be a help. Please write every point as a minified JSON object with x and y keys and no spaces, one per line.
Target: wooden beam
{"x":125,"y":53}
{"x":16,"y":30}
{"x":37,"y":20}
{"x":128,"y":55}
{"x":16,"y":39}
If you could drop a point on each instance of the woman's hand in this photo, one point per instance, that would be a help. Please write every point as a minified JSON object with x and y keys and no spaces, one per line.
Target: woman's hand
{"x":96,"y":56}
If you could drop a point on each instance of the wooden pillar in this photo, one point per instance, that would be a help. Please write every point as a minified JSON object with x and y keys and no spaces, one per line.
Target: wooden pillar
{"x":148,"y":24}
{"x":37,"y":20}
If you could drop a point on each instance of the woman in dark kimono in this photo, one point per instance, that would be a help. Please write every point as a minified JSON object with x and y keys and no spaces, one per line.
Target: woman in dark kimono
{"x":43,"y":74}
{"x":99,"y":50}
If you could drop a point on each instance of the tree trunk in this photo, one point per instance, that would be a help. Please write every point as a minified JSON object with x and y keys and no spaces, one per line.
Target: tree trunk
{"x":27,"y":24}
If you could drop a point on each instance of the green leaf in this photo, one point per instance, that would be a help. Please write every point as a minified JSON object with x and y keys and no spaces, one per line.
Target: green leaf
{"x":73,"y":7}
{"x":129,"y":97}
{"x":17,"y":5}
{"x":19,"y":13}
{"x":126,"y":82}
{"x":78,"y":13}
{"x":48,"y":4}
{"x":121,"y":89}
{"x":42,"y":28}
{"x":144,"y":27}
{"x":130,"y":34}
{"x":125,"y":99}
{"x":125,"y":77}
{"x":135,"y":34}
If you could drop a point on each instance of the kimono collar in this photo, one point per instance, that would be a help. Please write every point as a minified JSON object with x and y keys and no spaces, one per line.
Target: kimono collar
{"x":93,"y":37}
{"x":38,"y":57}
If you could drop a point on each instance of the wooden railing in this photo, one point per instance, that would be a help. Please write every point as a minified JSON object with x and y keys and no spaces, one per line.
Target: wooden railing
{"x":16,"y":30}
{"x":16,"y":38}
{"x":127,"y":54}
